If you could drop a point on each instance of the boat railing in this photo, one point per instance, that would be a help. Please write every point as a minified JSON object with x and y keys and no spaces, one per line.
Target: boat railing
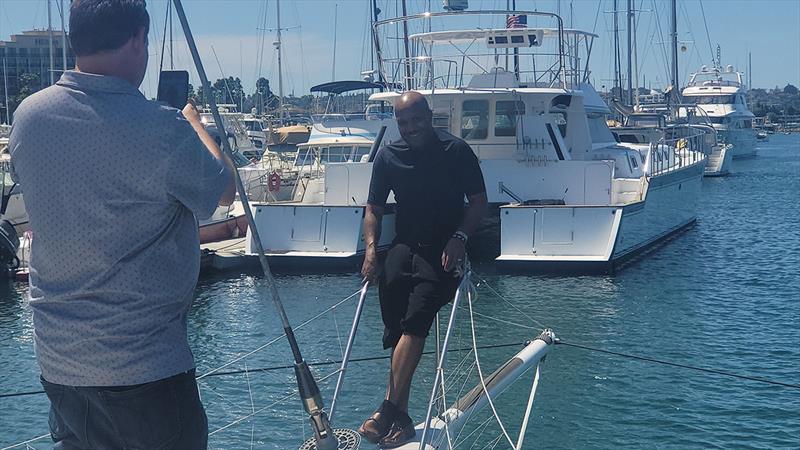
{"x":446,"y":49}
{"x":682,"y":146}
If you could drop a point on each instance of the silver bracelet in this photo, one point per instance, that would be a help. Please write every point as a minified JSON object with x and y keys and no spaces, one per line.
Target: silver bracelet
{"x":460,"y":235}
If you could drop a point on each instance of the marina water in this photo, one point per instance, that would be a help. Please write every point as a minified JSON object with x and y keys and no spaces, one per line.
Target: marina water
{"x":723,"y":295}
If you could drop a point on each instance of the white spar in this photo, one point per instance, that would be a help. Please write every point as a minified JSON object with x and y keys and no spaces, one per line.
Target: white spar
{"x":454,"y":418}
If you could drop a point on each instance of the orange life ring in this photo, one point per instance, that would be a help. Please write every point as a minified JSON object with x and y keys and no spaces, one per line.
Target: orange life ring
{"x":274,"y":182}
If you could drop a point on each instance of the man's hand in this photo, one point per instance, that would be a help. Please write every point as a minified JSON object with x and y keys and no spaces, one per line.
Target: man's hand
{"x":191,"y":114}
{"x":453,"y":254}
{"x":371,"y":268}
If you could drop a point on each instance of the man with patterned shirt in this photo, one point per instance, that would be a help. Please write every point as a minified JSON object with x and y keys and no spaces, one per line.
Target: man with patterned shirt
{"x":114,"y":187}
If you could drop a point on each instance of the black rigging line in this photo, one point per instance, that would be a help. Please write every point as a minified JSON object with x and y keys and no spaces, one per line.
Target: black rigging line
{"x":484,"y":347}
{"x":684,"y":366}
{"x":291,"y":366}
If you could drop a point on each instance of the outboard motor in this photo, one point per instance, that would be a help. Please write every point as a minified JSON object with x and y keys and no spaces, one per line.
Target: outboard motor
{"x":9,"y":244}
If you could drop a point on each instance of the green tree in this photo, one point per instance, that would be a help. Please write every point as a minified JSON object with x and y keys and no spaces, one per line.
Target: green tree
{"x":28,"y":84}
{"x":264,"y":95}
{"x":790,"y":89}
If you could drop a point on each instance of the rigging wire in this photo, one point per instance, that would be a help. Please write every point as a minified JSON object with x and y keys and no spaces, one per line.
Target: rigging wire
{"x":708,"y":35}
{"x":219,"y":373}
{"x":683,"y":366}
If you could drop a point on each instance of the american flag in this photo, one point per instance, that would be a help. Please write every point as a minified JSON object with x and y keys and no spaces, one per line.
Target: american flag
{"x":514,"y":21}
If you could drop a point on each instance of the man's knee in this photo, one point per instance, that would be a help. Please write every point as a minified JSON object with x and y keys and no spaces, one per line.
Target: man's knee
{"x":413,"y":337}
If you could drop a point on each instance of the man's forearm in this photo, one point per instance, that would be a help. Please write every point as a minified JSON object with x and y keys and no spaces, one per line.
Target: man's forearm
{"x":230,"y":192}
{"x":474,"y":214}
{"x":372,"y":228}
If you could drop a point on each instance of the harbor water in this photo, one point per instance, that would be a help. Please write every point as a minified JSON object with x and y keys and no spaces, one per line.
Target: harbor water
{"x":723,"y":295}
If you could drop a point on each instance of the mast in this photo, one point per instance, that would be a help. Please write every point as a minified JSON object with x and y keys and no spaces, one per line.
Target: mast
{"x":335,"y":25}
{"x":516,"y":50}
{"x":280,"y":63}
{"x":630,"y":52}
{"x":63,"y":40}
{"x":749,"y":70}
{"x":50,"y":38}
{"x":617,"y":62}
{"x":5,"y":91}
{"x":376,"y":46}
{"x":407,"y":52}
{"x":674,"y":34}
{"x":635,"y":61}
{"x":171,"y":59}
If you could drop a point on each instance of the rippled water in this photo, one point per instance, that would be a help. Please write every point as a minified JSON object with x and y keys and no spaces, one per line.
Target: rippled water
{"x":723,"y":295}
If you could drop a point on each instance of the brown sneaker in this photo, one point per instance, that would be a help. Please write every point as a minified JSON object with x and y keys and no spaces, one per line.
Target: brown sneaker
{"x":377,"y":426}
{"x":401,"y":432}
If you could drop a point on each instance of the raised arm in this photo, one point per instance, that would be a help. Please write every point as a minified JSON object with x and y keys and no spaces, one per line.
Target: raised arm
{"x":193,"y":117}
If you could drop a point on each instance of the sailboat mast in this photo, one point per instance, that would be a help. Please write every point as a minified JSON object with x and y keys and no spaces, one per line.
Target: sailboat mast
{"x":171,"y":59}
{"x":630,"y":52}
{"x":50,"y":36}
{"x":63,"y":39}
{"x":375,"y":41}
{"x":5,"y":91}
{"x":674,"y":34}
{"x":335,"y":25}
{"x":280,"y":63}
{"x":407,"y":51}
{"x":635,"y":61}
{"x":617,"y":81}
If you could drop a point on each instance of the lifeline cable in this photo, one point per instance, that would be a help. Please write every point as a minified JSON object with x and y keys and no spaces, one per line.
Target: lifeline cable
{"x":684,"y":366}
{"x":291,"y":366}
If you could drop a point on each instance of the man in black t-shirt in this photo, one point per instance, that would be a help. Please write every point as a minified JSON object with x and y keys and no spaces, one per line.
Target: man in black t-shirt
{"x":430,"y":173}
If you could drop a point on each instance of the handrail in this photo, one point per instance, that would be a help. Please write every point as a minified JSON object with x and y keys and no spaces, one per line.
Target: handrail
{"x":430,"y":15}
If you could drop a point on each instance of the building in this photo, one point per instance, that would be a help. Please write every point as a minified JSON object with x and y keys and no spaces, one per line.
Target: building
{"x":27,"y":53}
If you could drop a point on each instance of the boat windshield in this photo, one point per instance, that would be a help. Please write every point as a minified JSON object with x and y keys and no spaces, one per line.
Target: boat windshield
{"x":331,"y":154}
{"x":598,"y":130}
{"x":253,"y":125}
{"x":709,"y":99}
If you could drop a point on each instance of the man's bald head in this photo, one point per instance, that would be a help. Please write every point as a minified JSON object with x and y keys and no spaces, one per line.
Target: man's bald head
{"x":411,"y":100}
{"x":414,"y":119}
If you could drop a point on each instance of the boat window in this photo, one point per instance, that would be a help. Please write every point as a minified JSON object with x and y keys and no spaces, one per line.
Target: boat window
{"x":253,"y":125}
{"x":505,"y":119}
{"x":474,"y":119}
{"x":747,"y":123}
{"x":441,"y":121}
{"x":599,"y":132}
{"x":361,"y":150}
{"x":305,"y":157}
{"x":710,"y":99}
{"x":335,"y":154}
{"x":634,"y":164}
{"x":560,"y":119}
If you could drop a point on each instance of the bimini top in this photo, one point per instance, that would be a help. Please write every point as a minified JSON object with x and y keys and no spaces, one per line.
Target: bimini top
{"x":340,"y":87}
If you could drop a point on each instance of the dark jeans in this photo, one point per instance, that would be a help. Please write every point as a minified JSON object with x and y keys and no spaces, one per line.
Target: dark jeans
{"x":164,"y":414}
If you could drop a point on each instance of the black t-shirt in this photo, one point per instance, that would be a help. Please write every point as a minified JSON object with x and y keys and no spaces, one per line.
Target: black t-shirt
{"x":429,"y":186}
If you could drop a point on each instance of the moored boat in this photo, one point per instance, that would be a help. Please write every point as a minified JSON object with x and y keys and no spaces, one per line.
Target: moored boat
{"x":721,"y":94}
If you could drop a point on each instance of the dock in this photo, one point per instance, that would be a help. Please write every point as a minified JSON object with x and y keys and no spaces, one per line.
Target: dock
{"x":226,"y":255}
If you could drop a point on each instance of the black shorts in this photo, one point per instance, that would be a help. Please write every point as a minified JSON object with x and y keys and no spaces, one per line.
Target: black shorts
{"x":413,"y":288}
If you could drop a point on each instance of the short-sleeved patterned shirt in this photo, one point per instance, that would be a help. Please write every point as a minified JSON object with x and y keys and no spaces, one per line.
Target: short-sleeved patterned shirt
{"x":114,"y":185}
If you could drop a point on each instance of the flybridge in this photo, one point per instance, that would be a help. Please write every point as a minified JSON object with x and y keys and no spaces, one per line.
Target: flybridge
{"x":448,"y":49}
{"x":495,"y":38}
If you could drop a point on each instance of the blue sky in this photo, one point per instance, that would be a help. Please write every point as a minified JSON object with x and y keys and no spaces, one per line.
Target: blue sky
{"x":769,"y":29}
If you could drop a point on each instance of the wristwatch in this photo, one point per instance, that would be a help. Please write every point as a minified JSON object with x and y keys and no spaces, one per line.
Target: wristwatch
{"x":460,"y":235}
